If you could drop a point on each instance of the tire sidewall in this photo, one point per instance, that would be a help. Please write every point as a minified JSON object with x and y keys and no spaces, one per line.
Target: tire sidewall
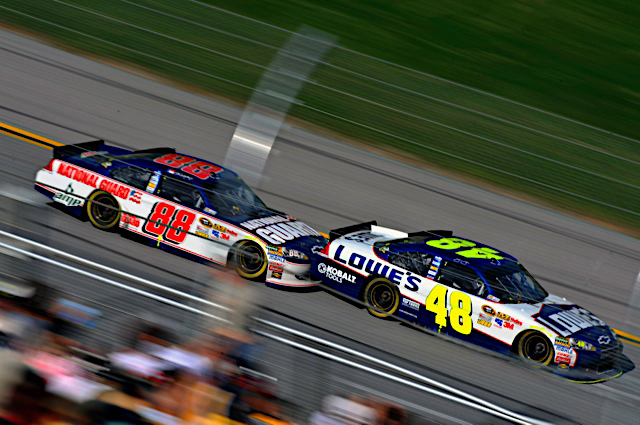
{"x":240,"y":247}
{"x":371,"y":285}
{"x":522,"y":343}
{"x":96,"y":196}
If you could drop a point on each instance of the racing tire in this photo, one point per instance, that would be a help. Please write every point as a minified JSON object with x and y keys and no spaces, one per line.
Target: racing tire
{"x":536,"y":348}
{"x":381,"y":297}
{"x":105,"y":216}
{"x":250,"y":261}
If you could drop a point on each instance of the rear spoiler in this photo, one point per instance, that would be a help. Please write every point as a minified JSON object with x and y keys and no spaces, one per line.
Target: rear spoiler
{"x":66,"y":151}
{"x":336,"y":233}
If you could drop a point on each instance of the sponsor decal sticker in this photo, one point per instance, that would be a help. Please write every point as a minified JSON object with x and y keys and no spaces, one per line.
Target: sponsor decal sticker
{"x":276,"y":267}
{"x":128,"y":219}
{"x":277,"y":229}
{"x":135,"y":196}
{"x":487,"y":309}
{"x":493,"y":298}
{"x":435,"y":266}
{"x":567,"y":319}
{"x":276,"y":258}
{"x":504,"y":317}
{"x":563,"y":342}
{"x":202,"y":234}
{"x":219,"y":228}
{"x":92,"y":153}
{"x":498,"y":322}
{"x":508,"y":325}
{"x":210,"y":211}
{"x":410,"y":303}
{"x":66,"y":199}
{"x":374,"y":266}
{"x":276,"y":250}
{"x":276,"y":275}
{"x":205,"y":222}
{"x":336,"y":274}
{"x":484,"y":319}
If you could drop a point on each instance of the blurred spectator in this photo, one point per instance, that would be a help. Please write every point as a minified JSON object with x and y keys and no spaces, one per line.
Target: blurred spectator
{"x":240,"y":297}
{"x":338,"y":410}
{"x":119,"y":404}
{"x":25,"y":402}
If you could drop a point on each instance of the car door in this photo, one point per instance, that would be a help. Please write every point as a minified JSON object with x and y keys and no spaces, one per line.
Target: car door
{"x":137,"y":205}
{"x":456,"y":299}
{"x":172,"y":219}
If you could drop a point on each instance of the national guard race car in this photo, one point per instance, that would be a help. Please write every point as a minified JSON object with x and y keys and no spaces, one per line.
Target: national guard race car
{"x":470,"y":291}
{"x":181,"y":204}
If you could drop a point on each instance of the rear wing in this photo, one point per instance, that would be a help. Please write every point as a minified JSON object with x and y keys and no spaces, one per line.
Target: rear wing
{"x":336,"y":233}
{"x":67,"y":151}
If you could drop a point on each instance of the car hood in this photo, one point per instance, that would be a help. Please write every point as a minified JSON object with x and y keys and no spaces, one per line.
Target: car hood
{"x":568,"y":319}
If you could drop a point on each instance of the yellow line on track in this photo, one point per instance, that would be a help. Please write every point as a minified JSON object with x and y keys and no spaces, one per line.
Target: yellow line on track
{"x":26,"y":140}
{"x":27,"y":136}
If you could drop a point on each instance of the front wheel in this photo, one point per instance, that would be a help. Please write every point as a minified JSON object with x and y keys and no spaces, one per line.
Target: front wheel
{"x":381,"y":297}
{"x":535,"y":347}
{"x":103,"y":210}
{"x":250,"y":260}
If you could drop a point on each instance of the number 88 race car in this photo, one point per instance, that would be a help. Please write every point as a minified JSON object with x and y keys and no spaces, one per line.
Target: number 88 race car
{"x":181,"y":204}
{"x":470,"y":291}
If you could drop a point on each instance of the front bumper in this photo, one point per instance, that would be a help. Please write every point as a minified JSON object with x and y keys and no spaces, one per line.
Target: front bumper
{"x":592,"y":371}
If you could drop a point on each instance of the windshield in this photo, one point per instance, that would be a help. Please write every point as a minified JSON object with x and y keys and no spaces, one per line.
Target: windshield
{"x":229,"y":196}
{"x":512,"y":283}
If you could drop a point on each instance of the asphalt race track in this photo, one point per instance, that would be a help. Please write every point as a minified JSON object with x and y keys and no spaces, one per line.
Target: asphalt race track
{"x":327,"y":184}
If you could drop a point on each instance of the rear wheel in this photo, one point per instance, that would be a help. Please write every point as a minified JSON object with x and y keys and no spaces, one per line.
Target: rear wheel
{"x":103,"y":210}
{"x":381,"y":297}
{"x":535,"y":347}
{"x":250,"y":260}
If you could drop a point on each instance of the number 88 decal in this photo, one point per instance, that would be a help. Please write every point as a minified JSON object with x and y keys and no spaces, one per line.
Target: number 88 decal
{"x":460,"y":305}
{"x":165,"y":219}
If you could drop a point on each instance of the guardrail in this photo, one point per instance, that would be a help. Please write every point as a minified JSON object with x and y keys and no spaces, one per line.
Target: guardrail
{"x":402,"y":375}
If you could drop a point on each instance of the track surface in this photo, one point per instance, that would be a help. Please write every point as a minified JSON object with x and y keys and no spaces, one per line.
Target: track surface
{"x":327,"y":184}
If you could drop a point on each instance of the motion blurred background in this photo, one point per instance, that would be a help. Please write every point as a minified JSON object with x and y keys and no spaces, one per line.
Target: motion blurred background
{"x":512,"y":122}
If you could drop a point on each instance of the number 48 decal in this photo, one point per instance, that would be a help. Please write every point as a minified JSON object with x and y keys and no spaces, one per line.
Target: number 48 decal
{"x":460,"y":305}
{"x":164,"y":215}
{"x":455,"y":243}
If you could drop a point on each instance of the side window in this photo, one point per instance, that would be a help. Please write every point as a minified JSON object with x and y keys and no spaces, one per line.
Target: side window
{"x":460,"y":277}
{"x":416,"y":262}
{"x":133,"y":176}
{"x":181,"y":192}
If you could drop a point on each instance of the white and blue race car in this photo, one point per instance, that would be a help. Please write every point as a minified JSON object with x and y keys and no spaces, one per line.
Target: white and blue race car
{"x":471,"y":291}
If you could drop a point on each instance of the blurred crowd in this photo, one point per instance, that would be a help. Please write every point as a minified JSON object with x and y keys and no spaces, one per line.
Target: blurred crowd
{"x":48,"y":377}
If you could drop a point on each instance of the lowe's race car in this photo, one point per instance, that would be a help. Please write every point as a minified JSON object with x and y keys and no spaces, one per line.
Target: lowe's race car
{"x":181,"y":204}
{"x":470,"y":291}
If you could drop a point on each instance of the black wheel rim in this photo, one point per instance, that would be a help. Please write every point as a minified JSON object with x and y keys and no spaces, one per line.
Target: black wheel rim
{"x":250,"y":259}
{"x":104,"y":214}
{"x":382,"y":297}
{"x":536,"y":348}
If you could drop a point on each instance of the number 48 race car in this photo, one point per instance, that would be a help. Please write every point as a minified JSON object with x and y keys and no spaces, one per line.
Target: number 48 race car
{"x":181,"y":204}
{"x":470,"y":291}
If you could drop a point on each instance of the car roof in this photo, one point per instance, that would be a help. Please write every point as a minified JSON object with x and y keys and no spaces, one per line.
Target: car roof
{"x":419,"y":243}
{"x":147,"y":159}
